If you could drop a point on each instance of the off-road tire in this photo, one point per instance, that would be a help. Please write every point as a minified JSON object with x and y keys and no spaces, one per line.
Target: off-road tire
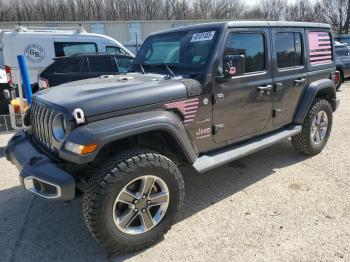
{"x":302,"y":141}
{"x":106,"y":183}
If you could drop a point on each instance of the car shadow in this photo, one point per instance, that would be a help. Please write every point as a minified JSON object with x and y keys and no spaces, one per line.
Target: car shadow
{"x":47,"y":231}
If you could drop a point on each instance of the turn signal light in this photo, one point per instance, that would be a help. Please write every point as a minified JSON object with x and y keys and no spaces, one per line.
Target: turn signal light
{"x":80,"y":149}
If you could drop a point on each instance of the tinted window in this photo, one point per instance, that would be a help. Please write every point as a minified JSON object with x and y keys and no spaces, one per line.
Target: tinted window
{"x":101,"y":64}
{"x":288,"y":49}
{"x":70,"y":48}
{"x":70,"y":66}
{"x":252,"y":46}
{"x":84,"y":66}
{"x":123,"y":64}
{"x":115,"y":50}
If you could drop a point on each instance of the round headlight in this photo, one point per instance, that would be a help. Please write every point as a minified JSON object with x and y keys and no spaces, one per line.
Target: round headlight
{"x":59,"y":127}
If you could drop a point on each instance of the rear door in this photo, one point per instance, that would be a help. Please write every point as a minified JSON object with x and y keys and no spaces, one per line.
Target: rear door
{"x":241,"y":108}
{"x":289,"y":72}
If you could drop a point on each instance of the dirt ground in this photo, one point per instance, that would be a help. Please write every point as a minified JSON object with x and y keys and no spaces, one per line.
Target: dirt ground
{"x":274,"y":205}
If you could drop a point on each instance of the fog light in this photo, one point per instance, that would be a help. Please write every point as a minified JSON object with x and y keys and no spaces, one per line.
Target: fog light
{"x":80,"y":149}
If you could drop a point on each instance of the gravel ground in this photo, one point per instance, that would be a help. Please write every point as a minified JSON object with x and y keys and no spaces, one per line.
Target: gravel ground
{"x":274,"y":205}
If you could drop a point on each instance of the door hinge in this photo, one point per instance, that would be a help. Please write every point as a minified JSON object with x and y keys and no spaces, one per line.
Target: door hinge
{"x":276,"y":111}
{"x":219,"y":98}
{"x":217,"y":129}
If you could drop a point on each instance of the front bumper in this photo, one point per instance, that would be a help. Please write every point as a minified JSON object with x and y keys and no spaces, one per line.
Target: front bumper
{"x":38,"y":173}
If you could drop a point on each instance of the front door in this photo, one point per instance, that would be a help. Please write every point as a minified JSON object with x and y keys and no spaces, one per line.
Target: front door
{"x":243,"y":104}
{"x":289,"y":71}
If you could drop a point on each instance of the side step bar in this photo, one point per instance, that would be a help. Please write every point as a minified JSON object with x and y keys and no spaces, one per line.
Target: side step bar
{"x":221,"y":157}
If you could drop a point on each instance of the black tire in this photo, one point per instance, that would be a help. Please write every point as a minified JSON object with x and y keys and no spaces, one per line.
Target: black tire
{"x":105,"y":185}
{"x":302,"y":141}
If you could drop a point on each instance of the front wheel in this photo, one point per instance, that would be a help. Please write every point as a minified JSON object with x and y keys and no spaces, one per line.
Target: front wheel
{"x":133,"y":200}
{"x":315,"y":129}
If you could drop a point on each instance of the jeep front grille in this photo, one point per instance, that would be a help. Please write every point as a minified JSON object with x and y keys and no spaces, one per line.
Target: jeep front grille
{"x":41,"y":118}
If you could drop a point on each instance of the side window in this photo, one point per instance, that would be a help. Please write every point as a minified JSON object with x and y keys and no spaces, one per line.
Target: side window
{"x":115,"y":50}
{"x":71,"y":48}
{"x":123,"y":64}
{"x":251,"y":45}
{"x":320,"y":45}
{"x":288,"y":49}
{"x":101,"y":64}
{"x":70,"y":66}
{"x":84,"y":66}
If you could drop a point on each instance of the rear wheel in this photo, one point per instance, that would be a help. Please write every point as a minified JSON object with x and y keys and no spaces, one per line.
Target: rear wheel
{"x":315,"y":129}
{"x":133,"y":200}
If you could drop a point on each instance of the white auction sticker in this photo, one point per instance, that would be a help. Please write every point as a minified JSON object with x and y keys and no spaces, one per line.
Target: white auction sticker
{"x":204,"y":36}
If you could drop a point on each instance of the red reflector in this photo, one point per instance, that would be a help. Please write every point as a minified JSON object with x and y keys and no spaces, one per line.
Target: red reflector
{"x":8,"y":74}
{"x":335,"y":76}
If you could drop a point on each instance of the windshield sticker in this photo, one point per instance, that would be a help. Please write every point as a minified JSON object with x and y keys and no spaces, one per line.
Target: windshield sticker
{"x":204,"y":36}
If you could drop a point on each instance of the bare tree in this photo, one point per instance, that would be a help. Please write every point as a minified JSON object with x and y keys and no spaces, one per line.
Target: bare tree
{"x":305,"y":11}
{"x":335,"y":12}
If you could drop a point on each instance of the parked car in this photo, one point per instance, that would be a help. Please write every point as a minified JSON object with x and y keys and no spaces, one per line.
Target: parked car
{"x":83,"y":66}
{"x":41,"y":45}
{"x":342,"y":59}
{"x":201,"y":95}
{"x":5,"y":84}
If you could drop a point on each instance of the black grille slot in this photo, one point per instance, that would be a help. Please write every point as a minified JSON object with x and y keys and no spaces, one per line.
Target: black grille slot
{"x":41,"y":118}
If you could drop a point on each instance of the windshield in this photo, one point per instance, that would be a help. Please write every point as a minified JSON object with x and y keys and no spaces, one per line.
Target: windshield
{"x":181,"y":51}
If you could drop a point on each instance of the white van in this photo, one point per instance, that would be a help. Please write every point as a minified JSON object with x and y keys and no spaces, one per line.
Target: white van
{"x":41,"y":45}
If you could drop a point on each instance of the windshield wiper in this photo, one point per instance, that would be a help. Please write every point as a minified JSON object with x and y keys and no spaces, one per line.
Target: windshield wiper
{"x":170,"y":73}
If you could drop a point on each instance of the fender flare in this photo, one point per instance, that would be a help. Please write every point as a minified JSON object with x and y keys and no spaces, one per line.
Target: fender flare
{"x":109,"y":130}
{"x":324,"y":86}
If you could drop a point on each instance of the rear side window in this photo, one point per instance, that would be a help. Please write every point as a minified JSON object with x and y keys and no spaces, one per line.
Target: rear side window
{"x":101,"y":64}
{"x":115,"y":50}
{"x":288,"y":49}
{"x":320,"y":45}
{"x":251,"y":45}
{"x":69,"y":66}
{"x":72,"y":48}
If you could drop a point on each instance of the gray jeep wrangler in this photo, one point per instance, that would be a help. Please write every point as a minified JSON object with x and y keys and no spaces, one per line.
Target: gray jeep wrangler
{"x":200,"y":96}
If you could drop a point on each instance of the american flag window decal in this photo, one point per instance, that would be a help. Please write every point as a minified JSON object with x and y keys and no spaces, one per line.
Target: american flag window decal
{"x":320,"y":46}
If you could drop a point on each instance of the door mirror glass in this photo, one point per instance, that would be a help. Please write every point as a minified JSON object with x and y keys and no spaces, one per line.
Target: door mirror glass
{"x":233,"y":65}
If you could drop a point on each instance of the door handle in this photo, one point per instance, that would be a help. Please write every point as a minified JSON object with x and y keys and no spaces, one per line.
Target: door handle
{"x":298,"y":82}
{"x":265,"y":90}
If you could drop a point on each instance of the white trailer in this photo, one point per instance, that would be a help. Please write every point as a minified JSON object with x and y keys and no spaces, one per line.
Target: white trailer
{"x":41,"y":45}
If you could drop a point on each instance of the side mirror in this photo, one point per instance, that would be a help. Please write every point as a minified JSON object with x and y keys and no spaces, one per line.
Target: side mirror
{"x":233,"y":65}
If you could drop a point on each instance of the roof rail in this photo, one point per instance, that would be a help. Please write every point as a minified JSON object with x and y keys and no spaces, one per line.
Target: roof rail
{"x":76,"y":29}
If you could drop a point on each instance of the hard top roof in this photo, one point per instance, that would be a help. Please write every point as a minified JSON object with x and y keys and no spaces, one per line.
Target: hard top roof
{"x":246,"y":23}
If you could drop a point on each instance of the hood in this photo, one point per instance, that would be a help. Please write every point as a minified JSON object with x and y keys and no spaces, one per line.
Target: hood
{"x":107,"y":94}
